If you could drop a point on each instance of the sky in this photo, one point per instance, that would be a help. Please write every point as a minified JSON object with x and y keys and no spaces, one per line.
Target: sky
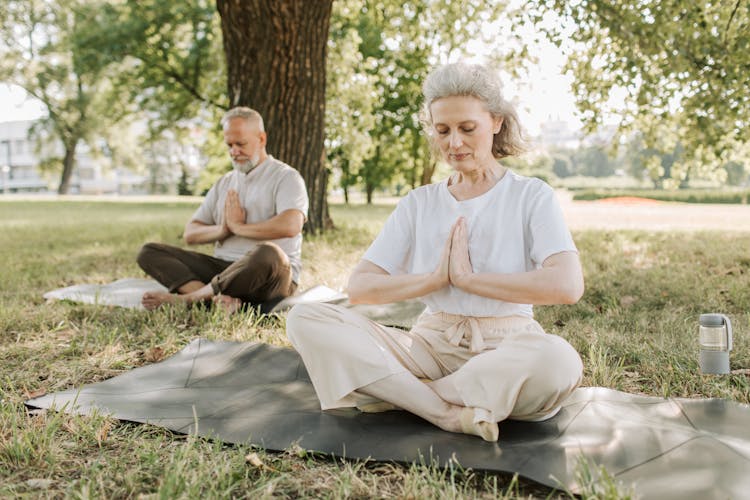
{"x":15,"y":104}
{"x":546,"y":94}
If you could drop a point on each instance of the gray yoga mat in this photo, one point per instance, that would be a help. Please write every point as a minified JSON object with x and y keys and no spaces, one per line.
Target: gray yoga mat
{"x":261,"y":394}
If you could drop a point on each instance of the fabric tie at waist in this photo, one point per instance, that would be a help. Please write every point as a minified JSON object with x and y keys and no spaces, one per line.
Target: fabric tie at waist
{"x":466,"y":328}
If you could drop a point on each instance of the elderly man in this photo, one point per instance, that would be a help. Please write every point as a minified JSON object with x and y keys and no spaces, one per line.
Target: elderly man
{"x":254,"y":215}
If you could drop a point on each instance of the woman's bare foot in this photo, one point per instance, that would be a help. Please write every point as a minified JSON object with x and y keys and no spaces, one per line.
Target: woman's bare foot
{"x":485,"y":430}
{"x":406,"y":391}
{"x":460,"y":419}
{"x":152,"y":300}
{"x":228,"y":304}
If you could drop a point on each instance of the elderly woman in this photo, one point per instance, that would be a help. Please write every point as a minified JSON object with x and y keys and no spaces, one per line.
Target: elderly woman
{"x":479,"y":249}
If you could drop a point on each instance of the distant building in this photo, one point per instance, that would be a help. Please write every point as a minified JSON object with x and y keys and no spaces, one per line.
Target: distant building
{"x":603,"y":136}
{"x":558,"y":134}
{"x":19,"y":166}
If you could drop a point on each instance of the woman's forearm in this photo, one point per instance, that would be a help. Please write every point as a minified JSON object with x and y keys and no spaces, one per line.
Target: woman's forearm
{"x":376,"y":288}
{"x":539,"y":287}
{"x":558,"y":281}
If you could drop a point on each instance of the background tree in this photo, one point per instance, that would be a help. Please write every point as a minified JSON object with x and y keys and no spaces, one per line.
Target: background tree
{"x":42,"y":53}
{"x":683,"y":67}
{"x":176,"y":77}
{"x":174,"y":58}
{"x":593,"y":161}
{"x":737,"y":173}
{"x":350,"y":98}
{"x":276,"y":63}
{"x":561,"y":166}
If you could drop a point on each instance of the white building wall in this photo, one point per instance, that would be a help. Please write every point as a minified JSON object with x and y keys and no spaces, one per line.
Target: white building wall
{"x":19,"y":167}
{"x":18,"y":164}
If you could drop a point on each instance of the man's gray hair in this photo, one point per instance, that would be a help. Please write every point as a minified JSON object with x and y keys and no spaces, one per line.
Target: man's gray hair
{"x":475,"y":80}
{"x":246,"y":113}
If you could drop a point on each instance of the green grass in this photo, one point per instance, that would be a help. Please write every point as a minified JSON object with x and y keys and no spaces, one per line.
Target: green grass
{"x":635,"y":328}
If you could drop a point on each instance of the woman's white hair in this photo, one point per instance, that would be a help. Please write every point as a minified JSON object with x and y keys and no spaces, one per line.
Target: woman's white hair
{"x":461,"y":79}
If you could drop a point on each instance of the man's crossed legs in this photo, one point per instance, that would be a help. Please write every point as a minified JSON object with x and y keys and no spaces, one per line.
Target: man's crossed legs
{"x":262,"y":274}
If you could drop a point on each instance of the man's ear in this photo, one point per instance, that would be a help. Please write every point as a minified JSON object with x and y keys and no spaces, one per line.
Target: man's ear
{"x":263,"y":138}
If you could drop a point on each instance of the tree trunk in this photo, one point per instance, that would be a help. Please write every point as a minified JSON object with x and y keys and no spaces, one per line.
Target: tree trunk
{"x":69,"y":163}
{"x":346,"y":178}
{"x":276,"y":64}
{"x":370,"y":175}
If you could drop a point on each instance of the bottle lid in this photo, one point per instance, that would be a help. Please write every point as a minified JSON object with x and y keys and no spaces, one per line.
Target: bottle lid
{"x":712,"y":319}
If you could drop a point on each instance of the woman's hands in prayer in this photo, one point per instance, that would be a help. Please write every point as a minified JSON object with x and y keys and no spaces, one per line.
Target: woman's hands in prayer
{"x":459,"y":265}
{"x":441,"y":274}
{"x":371,"y":284}
{"x":559,"y":281}
{"x":455,"y":265}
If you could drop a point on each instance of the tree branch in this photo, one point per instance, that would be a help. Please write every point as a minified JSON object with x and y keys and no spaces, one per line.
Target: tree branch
{"x":177,"y":77}
{"x":731,"y":18}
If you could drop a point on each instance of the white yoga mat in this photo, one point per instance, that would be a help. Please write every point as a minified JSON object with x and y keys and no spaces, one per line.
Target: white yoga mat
{"x":127,"y":292}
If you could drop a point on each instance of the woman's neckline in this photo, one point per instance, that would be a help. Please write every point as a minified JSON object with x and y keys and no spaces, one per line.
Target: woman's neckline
{"x":447,"y":183}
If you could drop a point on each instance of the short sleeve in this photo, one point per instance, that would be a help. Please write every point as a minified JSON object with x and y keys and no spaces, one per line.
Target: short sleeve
{"x":393,"y":248}
{"x":291,"y":193}
{"x":548,"y":230}
{"x":205,"y":212}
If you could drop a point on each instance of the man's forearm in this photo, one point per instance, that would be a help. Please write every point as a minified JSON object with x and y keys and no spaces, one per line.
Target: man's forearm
{"x":285,"y":225}
{"x":196,"y":234}
{"x":262,"y":230}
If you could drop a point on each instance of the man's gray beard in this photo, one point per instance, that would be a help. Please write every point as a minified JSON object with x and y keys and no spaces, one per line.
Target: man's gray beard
{"x":245,"y":166}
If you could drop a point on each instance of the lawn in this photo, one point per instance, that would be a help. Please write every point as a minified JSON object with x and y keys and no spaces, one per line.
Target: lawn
{"x":635,"y":328}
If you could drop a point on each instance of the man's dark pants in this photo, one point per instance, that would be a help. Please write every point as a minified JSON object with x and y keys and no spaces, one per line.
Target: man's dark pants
{"x":261,"y":275}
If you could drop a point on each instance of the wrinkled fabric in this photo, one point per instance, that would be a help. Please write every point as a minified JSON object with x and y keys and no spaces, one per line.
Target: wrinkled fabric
{"x":507,"y":367}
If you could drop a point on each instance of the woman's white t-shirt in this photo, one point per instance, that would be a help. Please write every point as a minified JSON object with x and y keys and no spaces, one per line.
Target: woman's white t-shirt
{"x":512,"y":228}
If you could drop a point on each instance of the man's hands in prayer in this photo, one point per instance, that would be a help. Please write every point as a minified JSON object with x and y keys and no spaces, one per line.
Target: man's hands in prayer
{"x":234,"y":214}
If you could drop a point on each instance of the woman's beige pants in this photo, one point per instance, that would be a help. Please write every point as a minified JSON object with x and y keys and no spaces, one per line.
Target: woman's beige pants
{"x":507,"y":366}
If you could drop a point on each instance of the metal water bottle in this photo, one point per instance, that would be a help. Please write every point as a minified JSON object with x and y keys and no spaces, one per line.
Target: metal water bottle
{"x":715,"y":338}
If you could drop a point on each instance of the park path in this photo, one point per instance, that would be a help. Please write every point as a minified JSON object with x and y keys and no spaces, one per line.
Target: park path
{"x":654,"y":216}
{"x":640,"y":214}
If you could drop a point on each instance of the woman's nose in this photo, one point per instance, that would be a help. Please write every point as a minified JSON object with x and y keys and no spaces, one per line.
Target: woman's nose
{"x":455,"y":141}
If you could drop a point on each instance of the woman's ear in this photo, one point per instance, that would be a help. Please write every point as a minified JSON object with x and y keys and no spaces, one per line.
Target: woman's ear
{"x":498,"y":123}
